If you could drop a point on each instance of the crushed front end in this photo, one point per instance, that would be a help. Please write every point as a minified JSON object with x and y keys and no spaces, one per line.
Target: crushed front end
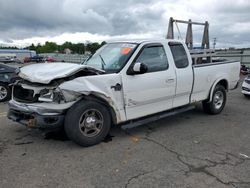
{"x":40,"y":106}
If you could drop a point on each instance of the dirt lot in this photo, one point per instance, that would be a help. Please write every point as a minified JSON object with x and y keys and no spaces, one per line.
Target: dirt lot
{"x":187,"y":150}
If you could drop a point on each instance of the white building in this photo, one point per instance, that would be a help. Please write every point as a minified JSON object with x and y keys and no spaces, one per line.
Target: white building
{"x":20,"y":54}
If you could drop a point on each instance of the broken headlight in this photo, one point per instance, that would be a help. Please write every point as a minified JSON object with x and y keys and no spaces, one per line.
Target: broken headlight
{"x":57,"y":95}
{"x":51,"y":95}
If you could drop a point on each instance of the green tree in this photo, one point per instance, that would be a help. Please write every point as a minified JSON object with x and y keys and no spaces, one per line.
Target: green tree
{"x":103,"y":43}
{"x":32,"y":47}
{"x":49,"y":47}
{"x":79,"y":48}
{"x":92,"y":47}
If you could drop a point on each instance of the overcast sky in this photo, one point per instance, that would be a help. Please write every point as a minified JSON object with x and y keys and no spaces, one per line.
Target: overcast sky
{"x":23,"y":22}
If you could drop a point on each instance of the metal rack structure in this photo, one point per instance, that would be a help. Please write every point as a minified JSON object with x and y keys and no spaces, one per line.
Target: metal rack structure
{"x":198,"y":55}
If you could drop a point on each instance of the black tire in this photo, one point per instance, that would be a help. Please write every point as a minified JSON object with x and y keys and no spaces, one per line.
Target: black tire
{"x":4,"y":88}
{"x":76,"y":123}
{"x":216,"y":105}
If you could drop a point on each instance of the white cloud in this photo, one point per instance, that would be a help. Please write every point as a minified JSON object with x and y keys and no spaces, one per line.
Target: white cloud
{"x":81,"y":37}
{"x":25,"y":22}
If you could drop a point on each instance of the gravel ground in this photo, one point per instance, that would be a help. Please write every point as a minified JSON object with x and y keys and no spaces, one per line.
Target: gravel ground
{"x":192,"y":149}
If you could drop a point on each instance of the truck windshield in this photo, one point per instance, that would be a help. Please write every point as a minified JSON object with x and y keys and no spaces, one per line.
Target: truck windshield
{"x":111,"y":57}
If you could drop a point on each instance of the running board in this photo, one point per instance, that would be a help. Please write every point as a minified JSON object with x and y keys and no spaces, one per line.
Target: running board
{"x":136,"y":123}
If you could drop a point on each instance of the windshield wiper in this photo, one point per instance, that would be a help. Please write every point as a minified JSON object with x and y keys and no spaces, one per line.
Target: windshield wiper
{"x":103,"y":62}
{"x":87,"y":59}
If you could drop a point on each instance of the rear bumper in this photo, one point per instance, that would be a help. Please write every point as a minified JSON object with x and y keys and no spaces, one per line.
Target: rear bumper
{"x":38,"y":115}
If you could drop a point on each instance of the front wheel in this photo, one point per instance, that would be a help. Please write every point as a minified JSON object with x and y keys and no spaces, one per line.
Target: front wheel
{"x":87,"y":123}
{"x":218,"y":101}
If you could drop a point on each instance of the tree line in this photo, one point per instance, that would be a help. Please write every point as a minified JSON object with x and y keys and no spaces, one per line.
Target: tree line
{"x":52,"y":47}
{"x":79,"y":48}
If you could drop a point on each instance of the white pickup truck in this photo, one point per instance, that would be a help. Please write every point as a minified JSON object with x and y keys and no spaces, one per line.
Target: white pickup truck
{"x":127,"y":82}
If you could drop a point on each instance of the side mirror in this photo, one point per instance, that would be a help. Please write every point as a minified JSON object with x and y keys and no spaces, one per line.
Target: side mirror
{"x":139,"y":68}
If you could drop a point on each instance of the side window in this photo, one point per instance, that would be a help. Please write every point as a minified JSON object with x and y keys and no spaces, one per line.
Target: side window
{"x":179,"y":55}
{"x":154,"y":57}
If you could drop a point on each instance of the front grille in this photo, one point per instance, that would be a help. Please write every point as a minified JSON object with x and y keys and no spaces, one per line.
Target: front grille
{"x":21,"y":94}
{"x":246,"y":89}
{"x":247,"y":81}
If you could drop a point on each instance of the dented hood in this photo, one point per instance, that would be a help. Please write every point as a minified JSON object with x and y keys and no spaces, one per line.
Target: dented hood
{"x":44,"y":73}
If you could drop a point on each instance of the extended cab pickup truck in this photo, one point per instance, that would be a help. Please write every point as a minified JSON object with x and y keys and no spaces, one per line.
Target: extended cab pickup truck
{"x":125,"y":83}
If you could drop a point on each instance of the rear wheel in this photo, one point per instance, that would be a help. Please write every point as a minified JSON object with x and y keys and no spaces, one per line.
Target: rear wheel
{"x":218,"y":101}
{"x":5,"y":92}
{"x":87,"y":123}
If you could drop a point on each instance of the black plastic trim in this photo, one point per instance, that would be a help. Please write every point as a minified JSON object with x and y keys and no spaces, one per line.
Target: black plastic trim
{"x":212,"y":64}
{"x":40,"y":121}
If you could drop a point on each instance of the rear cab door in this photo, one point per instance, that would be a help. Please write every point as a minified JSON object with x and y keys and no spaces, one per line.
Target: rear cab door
{"x":154,"y":90}
{"x":184,"y":73}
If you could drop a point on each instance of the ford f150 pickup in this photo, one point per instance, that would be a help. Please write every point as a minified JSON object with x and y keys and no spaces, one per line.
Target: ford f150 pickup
{"x":122,"y":83}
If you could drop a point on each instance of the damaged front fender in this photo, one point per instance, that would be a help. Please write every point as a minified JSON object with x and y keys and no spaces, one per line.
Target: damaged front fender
{"x":101,"y":86}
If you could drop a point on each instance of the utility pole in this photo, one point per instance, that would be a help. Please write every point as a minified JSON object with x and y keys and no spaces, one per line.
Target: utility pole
{"x":214,"y":43}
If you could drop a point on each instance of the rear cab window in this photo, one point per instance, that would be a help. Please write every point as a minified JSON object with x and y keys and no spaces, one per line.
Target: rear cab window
{"x":179,"y":55}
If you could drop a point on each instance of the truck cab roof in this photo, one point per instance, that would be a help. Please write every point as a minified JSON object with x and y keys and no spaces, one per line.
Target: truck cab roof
{"x":140,"y":41}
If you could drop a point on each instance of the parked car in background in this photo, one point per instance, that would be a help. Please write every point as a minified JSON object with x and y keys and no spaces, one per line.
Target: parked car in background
{"x":49,"y":59}
{"x":36,"y":58}
{"x":9,"y":58}
{"x":246,"y":86}
{"x":244,"y":70}
{"x":8,"y":75}
{"x":26,"y":60}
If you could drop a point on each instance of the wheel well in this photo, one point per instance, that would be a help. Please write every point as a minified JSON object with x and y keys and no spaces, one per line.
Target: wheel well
{"x":223,"y":83}
{"x":105,"y":103}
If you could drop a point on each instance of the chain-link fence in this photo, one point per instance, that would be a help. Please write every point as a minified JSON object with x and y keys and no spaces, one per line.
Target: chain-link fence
{"x":72,"y":58}
{"x":237,"y":55}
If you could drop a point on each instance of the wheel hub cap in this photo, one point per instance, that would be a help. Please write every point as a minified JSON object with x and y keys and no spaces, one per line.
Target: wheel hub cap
{"x":218,"y":99}
{"x":90,"y":122}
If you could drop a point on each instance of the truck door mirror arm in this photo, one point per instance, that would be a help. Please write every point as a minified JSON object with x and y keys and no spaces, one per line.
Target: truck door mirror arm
{"x":137,"y":68}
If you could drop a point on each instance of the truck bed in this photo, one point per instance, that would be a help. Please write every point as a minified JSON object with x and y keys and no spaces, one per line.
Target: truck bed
{"x":206,"y":74}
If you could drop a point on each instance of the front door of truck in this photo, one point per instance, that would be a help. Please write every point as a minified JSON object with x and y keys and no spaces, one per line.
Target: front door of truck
{"x":152,"y":91}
